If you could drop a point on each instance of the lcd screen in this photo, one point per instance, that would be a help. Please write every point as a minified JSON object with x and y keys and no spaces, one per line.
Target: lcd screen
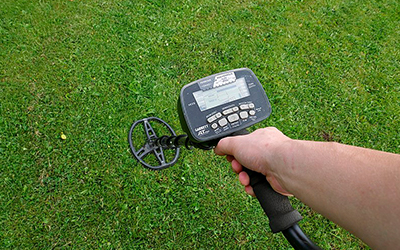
{"x":218,"y":96}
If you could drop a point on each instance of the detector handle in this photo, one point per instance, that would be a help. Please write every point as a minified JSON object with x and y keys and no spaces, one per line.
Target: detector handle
{"x":282,"y":216}
{"x":277,"y":207}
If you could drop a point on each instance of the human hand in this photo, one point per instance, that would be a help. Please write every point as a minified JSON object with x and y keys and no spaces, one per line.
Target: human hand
{"x":264,"y":151}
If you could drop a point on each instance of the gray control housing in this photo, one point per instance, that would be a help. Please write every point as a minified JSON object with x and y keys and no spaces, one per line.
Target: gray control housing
{"x":213,"y":123}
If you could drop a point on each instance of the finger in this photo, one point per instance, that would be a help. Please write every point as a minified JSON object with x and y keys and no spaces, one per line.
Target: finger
{"x":230,"y":158}
{"x":249,"y":190}
{"x":244,"y":178}
{"x":236,"y":166}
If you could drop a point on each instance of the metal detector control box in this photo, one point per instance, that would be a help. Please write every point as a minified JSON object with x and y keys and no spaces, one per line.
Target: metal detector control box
{"x":218,"y":105}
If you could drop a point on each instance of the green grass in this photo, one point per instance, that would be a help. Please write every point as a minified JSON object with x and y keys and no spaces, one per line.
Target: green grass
{"x":88,"y":69}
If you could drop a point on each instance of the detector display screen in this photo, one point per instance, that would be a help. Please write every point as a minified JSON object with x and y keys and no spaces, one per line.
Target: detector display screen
{"x":218,"y":96}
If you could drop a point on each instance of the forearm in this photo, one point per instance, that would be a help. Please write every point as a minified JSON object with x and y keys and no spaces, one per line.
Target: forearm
{"x":354,"y":187}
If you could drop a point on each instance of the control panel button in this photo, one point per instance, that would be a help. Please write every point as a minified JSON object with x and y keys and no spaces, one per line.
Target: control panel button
{"x":244,"y":106}
{"x":214,"y":125}
{"x":211,"y":119}
{"x":235,"y":109}
{"x":251,"y":105}
{"x":218,"y":115}
{"x":243,"y":114}
{"x":252,"y":112}
{"x":227,"y":111}
{"x":233,"y":118}
{"x":223,"y":122}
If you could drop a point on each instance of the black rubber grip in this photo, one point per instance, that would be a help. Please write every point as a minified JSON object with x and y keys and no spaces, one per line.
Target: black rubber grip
{"x":277,"y":207}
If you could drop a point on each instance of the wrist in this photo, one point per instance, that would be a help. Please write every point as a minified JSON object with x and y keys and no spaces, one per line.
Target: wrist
{"x":281,"y":162}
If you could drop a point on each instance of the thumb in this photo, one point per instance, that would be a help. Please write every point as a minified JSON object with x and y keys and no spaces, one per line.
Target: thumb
{"x":226,"y":146}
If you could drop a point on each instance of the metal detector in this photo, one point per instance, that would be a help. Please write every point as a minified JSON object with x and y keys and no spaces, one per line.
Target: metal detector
{"x":214,"y":107}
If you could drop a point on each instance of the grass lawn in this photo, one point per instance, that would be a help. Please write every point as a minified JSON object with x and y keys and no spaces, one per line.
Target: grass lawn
{"x":75,"y":74}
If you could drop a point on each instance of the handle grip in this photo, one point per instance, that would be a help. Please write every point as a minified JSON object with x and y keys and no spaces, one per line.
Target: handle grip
{"x":277,"y":207}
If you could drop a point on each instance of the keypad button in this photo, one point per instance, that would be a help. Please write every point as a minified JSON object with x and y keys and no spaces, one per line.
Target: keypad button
{"x":244,"y":106}
{"x":227,"y":111}
{"x":252,"y":112}
{"x":243,"y":114}
{"x":235,"y":109}
{"x":214,"y":126}
{"x":223,"y":122}
{"x":218,"y":115}
{"x":251,"y":105}
{"x":233,"y":118}
{"x":211,"y":119}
